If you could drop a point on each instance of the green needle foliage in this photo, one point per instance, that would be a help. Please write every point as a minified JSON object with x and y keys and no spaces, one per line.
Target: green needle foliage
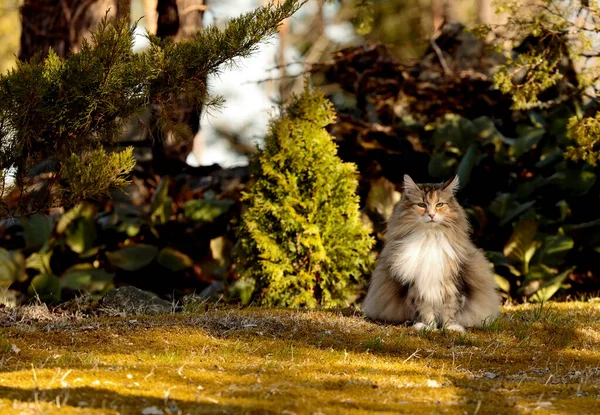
{"x":301,"y":240}
{"x":55,"y":110}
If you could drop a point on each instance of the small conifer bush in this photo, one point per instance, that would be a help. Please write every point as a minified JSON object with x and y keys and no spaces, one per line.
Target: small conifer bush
{"x":301,"y":240}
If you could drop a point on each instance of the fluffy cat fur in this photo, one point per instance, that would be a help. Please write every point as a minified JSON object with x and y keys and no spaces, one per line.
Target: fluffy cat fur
{"x":429,"y":271}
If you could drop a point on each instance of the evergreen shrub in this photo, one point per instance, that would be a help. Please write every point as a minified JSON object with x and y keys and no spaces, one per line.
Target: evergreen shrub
{"x":301,"y":239}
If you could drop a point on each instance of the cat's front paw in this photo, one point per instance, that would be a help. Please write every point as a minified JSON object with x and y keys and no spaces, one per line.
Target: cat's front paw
{"x":455,"y":327}
{"x":423,"y":326}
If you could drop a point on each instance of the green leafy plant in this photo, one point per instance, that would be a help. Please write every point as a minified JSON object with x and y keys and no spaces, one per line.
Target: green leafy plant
{"x":58,"y":255}
{"x":301,"y":240}
{"x":150,"y":242}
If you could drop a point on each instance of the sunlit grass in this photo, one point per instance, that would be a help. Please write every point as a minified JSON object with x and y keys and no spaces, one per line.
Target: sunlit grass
{"x":532,"y":359}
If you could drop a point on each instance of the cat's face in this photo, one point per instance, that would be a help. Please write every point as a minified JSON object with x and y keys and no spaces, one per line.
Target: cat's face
{"x":431,"y":204}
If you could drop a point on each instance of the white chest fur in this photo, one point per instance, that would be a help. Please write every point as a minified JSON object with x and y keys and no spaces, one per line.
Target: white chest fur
{"x":426,"y":260}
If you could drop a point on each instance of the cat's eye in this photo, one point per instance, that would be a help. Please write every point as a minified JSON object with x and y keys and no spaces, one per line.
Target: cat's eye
{"x":439,"y":205}
{"x":422,"y":205}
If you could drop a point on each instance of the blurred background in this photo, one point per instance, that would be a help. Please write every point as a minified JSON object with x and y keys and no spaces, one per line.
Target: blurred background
{"x":253,"y":88}
{"x":415,"y":91}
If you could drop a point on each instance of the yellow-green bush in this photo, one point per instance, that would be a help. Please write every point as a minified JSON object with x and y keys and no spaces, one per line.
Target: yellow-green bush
{"x":301,"y":240}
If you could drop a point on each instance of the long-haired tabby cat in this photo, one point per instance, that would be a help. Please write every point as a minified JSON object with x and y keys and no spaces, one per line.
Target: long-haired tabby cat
{"x":429,"y":271}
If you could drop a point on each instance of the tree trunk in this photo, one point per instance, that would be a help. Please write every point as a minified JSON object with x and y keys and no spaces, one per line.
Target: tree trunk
{"x":150,"y":15}
{"x":485,"y":12}
{"x":62,"y":25}
{"x":451,"y":11}
{"x":179,"y":19}
{"x":443,"y":12}
{"x":191,"y":13}
{"x":437,"y":13}
{"x":168,"y":18}
{"x":123,"y":9}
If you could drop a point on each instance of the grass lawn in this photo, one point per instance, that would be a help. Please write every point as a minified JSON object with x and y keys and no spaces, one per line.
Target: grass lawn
{"x":531,"y":360}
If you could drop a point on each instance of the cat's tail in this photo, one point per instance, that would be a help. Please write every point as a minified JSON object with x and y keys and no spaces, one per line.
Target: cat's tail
{"x":483,"y":303}
{"x":386,"y":298}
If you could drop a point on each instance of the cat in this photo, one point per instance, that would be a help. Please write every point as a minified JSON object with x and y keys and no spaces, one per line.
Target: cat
{"x":429,"y":270}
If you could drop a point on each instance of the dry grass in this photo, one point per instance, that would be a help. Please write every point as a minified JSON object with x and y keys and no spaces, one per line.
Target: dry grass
{"x":532,"y":360}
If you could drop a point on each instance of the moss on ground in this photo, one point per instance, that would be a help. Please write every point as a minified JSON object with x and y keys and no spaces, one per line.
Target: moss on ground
{"x":531,"y":360}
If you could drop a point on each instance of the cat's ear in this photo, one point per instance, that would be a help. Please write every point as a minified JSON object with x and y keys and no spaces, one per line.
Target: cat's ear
{"x":409,"y":184}
{"x":452,"y":185}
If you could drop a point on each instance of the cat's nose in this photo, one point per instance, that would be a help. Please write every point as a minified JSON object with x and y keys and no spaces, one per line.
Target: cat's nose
{"x":431,"y":214}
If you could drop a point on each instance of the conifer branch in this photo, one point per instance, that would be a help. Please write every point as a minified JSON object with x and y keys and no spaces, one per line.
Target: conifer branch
{"x":57,"y":109}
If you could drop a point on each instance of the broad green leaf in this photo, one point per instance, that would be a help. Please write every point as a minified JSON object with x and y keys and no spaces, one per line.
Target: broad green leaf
{"x":592,"y":240}
{"x":529,"y":137}
{"x":82,"y":210}
{"x":37,"y":230}
{"x":91,"y":252}
{"x":40,"y":261}
{"x":160,"y":194}
{"x":243,"y":289}
{"x":546,"y":292}
{"x":499,"y":260}
{"x":496,"y":258}
{"x":206,"y":210}
{"x":580,"y":226}
{"x":132,"y":229}
{"x":160,"y":204}
{"x":540,"y":273}
{"x":565,"y":210}
{"x":132,"y":257}
{"x":520,"y":246}
{"x":550,"y":159}
{"x":502,"y":283}
{"x":163,"y":213}
{"x":128,"y":211}
{"x":173,"y":259}
{"x":220,"y":249}
{"x":466,"y":165}
{"x":442,"y":164}
{"x":86,"y":278}
{"x":525,"y":189}
{"x":455,"y":131}
{"x":130,"y":226}
{"x":506,"y":208}
{"x":537,"y":276}
{"x":516,"y":212}
{"x":502,"y":204}
{"x":46,"y":287}
{"x":574,"y":182}
{"x":537,"y":119}
{"x":76,"y":280}
{"x":12,"y":268}
{"x":81,"y":235}
{"x":486,"y":130}
{"x":554,"y":249}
